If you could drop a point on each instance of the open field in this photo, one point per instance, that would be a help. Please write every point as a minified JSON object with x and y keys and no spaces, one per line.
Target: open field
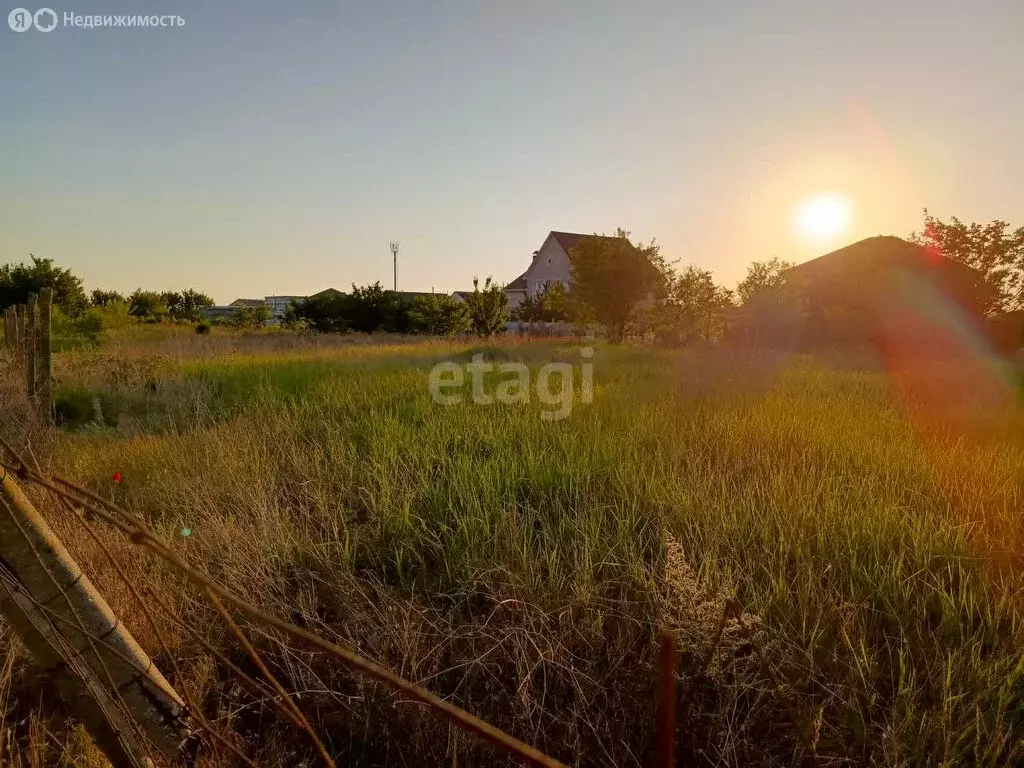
{"x":868,"y":519}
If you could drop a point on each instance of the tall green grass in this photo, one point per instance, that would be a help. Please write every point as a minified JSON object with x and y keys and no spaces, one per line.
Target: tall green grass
{"x":518,"y":565}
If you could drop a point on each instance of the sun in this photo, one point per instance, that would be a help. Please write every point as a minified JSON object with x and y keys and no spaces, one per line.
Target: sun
{"x":823,"y":218}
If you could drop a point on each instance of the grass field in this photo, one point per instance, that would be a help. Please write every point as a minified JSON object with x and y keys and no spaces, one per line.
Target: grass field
{"x":867,"y":519}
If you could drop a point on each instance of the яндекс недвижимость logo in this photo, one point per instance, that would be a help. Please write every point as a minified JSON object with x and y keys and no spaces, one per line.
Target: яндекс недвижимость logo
{"x":22,"y":19}
{"x":46,"y":20}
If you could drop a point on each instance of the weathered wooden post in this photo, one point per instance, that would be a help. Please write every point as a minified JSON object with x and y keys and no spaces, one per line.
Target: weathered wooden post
{"x":19,"y":329}
{"x":30,"y":347}
{"x":45,"y":361}
{"x":10,"y":340}
{"x":109,"y":681}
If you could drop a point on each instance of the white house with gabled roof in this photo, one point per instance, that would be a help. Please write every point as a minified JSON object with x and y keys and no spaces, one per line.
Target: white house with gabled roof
{"x":550,"y":264}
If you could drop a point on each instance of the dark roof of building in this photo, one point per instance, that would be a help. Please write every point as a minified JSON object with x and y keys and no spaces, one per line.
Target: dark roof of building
{"x":410,"y":296}
{"x":247,"y":302}
{"x":569,"y":240}
{"x":328,"y":292}
{"x":869,"y":264}
{"x":219,"y":311}
{"x":882,"y":251}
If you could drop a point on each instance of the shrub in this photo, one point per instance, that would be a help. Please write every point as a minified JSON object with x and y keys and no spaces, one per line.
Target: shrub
{"x":148,"y":305}
{"x":251,"y":318}
{"x":439,"y":315}
{"x":187,"y":305}
{"x":81,"y":408}
{"x":370,"y":309}
{"x":203,"y":328}
{"x":488,"y":308}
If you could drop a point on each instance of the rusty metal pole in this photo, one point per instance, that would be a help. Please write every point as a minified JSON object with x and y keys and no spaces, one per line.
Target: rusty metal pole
{"x":667,"y":689}
{"x":110,"y":682}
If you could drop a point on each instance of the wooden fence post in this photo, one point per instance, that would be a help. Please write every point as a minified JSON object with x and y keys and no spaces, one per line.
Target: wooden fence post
{"x":9,"y":329}
{"x":19,"y":329}
{"x":45,"y":362}
{"x":108,"y":680}
{"x":30,"y":347}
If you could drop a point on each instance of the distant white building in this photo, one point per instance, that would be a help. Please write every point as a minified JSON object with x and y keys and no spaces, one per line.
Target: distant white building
{"x":550,"y":265}
{"x":279,"y":305}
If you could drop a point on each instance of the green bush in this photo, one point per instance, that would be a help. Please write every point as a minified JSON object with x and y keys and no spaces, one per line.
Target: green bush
{"x":86,"y":329}
{"x":84,"y":408}
{"x":487,"y":308}
{"x":439,"y":315}
{"x":203,"y":328}
{"x":251,"y":318}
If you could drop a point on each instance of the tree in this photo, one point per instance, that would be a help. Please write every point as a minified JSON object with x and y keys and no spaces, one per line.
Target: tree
{"x":17,"y":281}
{"x":187,"y":305}
{"x":292,"y":318}
{"x":692,"y":309}
{"x":487,"y":308}
{"x":992,"y":249}
{"x":762,"y":275}
{"x":439,"y":315}
{"x":101,"y":298}
{"x":147,"y":305}
{"x":251,"y":318}
{"x":325,"y":312}
{"x":369,"y":309}
{"x":528,"y":310}
{"x":97,"y":319}
{"x":550,"y":305}
{"x":611,"y":276}
{"x":372,"y":309}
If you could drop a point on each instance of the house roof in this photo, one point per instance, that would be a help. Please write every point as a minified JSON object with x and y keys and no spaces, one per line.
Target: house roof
{"x":882,"y":251}
{"x":218,"y":311}
{"x":863,"y":264}
{"x":410,"y":296}
{"x":569,"y":240}
{"x":328,"y":292}
{"x":247,"y":302}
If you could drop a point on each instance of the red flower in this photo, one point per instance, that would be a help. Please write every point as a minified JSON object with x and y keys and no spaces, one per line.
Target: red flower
{"x":116,"y":477}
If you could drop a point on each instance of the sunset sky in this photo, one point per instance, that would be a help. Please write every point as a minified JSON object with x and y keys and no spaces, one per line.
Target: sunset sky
{"x":277,"y":148}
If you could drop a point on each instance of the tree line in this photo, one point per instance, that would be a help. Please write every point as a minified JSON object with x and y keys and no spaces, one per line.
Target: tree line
{"x":626,"y":288}
{"x":373,"y":309}
{"x":78,"y":312}
{"x":631,"y":289}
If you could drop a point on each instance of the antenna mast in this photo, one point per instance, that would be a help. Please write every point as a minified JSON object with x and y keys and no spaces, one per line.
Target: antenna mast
{"x":394,"y":254}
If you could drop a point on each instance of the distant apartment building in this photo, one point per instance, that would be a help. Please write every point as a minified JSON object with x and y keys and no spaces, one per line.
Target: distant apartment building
{"x":278,"y":305}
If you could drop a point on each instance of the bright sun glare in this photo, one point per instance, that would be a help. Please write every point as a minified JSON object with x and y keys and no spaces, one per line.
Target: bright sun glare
{"x":823,"y":218}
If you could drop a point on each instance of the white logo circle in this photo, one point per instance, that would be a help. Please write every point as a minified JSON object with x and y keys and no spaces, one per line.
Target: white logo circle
{"x":20,"y":19}
{"x":45,"y":19}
